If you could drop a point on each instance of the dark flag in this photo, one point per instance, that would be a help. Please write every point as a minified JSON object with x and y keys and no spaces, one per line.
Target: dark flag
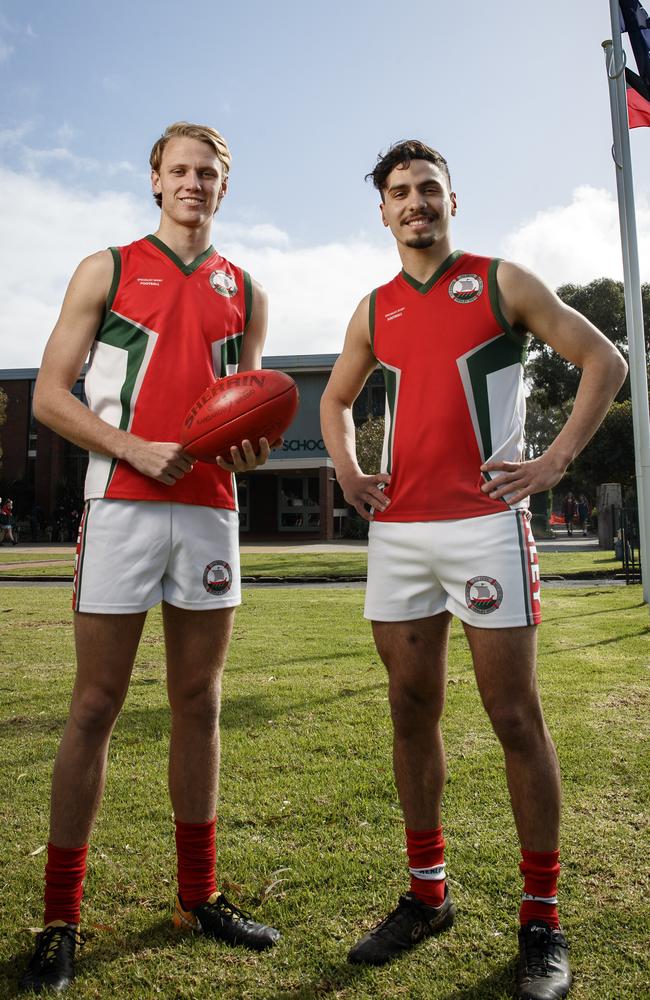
{"x":637,"y":24}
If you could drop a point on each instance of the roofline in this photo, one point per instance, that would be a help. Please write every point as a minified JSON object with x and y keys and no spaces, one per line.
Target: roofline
{"x":281,"y":362}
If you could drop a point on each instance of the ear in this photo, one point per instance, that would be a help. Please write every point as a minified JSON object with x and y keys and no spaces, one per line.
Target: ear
{"x":155,"y":182}
{"x":222,"y":192}
{"x":383,"y":217}
{"x":454,"y":203}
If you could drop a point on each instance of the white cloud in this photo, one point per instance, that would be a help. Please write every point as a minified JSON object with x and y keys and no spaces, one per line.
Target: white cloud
{"x":66,"y":132}
{"x":34,"y":159}
{"x":580,"y":241}
{"x":10,"y":137}
{"x":48,"y":228}
{"x":313,"y":291}
{"x":8,"y":27}
{"x":260,"y":234}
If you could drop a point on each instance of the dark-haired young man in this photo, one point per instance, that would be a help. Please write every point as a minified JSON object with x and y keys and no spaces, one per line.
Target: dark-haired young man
{"x":450,"y":531}
{"x":161,"y":318}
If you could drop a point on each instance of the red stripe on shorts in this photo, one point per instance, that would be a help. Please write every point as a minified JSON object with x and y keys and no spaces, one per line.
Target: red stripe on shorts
{"x":533,"y":589}
{"x":78,"y":558}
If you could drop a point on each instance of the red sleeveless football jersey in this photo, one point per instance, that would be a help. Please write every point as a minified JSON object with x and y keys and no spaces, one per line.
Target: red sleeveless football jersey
{"x":169,"y":330}
{"x":453,"y":368}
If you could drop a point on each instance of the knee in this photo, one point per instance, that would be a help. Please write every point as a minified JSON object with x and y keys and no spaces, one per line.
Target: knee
{"x":517,"y":727}
{"x":413,"y":710}
{"x":197,"y":704}
{"x":94,"y":711}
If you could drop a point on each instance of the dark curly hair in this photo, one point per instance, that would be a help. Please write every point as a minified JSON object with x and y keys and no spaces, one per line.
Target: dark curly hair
{"x":401,"y":153}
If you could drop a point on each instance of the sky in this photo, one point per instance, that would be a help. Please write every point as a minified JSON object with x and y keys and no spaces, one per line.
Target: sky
{"x":514,"y":94}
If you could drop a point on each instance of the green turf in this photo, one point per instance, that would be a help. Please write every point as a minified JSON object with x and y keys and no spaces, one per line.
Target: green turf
{"x":17,"y":555}
{"x":317,"y":564}
{"x":574,"y":563}
{"x":310,"y":835}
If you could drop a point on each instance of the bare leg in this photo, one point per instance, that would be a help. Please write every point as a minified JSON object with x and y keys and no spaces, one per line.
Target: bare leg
{"x":415,"y":655}
{"x":106,"y":647}
{"x":196,"y":644}
{"x":504,"y":663}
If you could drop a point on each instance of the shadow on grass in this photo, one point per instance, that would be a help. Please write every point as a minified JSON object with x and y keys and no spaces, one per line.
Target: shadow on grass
{"x":493,"y":987}
{"x":106,"y":948}
{"x":275,"y":661}
{"x":338,"y":976}
{"x":552,"y":619}
{"x":599,"y":642}
{"x":31,"y":726}
{"x":237,"y":712}
{"x":333,"y":979}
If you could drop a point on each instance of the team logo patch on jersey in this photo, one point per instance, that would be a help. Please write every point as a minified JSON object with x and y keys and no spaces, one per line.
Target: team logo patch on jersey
{"x":465,"y":288}
{"x":483,"y":594}
{"x":217,"y":577}
{"x":223,"y":283}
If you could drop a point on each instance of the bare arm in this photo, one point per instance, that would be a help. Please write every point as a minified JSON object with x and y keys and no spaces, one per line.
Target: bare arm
{"x":245,"y":459}
{"x":65,"y":353}
{"x":527,"y":301}
{"x":348,"y":377}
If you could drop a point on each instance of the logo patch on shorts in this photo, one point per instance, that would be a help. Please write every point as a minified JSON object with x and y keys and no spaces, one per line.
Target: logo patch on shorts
{"x":217,"y":577}
{"x":483,"y":594}
{"x":223,"y":283}
{"x":465,"y":288}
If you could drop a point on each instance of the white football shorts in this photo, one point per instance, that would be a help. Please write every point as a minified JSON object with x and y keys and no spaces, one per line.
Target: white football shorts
{"x":483,"y":569}
{"x":133,"y":554}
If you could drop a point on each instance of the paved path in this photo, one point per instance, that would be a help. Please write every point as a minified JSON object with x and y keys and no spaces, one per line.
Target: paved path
{"x":332,"y":585}
{"x":560,"y":543}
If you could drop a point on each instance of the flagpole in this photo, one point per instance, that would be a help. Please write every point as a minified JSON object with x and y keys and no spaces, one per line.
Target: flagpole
{"x":615,"y":61}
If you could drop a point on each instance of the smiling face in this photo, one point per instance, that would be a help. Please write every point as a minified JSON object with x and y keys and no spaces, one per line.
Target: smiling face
{"x":190,"y":180}
{"x":417,"y":204}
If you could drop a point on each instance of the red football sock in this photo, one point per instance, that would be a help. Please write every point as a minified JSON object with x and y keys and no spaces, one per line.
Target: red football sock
{"x":539,"y":901}
{"x":196,"y":850}
{"x":64,"y":883}
{"x":425,"y":850}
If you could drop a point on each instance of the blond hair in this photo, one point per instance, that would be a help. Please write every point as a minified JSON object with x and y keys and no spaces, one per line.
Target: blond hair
{"x":191,"y":131}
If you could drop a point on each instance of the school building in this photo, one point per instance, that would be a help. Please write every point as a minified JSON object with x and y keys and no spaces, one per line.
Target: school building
{"x":294,"y":495}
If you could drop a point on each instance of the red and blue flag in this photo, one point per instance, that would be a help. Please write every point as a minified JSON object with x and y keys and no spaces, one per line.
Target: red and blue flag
{"x":635,"y":20}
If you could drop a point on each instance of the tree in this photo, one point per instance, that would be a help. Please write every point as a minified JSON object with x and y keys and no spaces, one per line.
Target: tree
{"x":602,"y":302}
{"x":543,"y":422}
{"x":370,"y":442}
{"x":609,"y":456}
{"x":553,"y":384}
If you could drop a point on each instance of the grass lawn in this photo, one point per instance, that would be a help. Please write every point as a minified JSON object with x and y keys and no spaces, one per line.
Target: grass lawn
{"x":310,"y":834}
{"x":318,"y":564}
{"x":13,"y":555}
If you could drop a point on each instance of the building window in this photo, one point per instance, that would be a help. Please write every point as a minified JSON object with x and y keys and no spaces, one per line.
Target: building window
{"x":242,"y":502}
{"x":299,"y":503}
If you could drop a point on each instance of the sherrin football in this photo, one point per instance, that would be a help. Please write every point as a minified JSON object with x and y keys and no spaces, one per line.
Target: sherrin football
{"x":248,"y":405}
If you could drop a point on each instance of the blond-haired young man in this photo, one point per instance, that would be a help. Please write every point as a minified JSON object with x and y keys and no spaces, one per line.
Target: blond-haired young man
{"x":161,"y":318}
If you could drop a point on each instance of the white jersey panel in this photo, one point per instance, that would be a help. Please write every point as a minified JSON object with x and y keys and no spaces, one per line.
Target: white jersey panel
{"x":105,"y":377}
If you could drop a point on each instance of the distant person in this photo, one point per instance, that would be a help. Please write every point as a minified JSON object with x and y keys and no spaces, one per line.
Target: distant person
{"x":450,"y":532}
{"x":7,"y":523}
{"x":569,"y":511}
{"x":161,"y":318}
{"x":583,"y":513}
